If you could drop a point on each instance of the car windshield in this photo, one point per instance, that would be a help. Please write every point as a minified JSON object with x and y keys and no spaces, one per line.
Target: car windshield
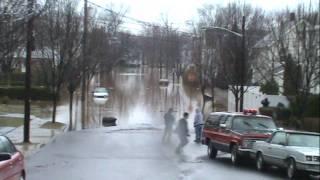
{"x":304,"y":140}
{"x":253,"y":123}
{"x":101,"y":90}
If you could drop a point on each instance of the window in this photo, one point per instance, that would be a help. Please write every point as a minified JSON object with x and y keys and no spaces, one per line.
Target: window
{"x":245,"y":123}
{"x":279,"y":138}
{"x":6,"y":146}
{"x":228,"y":122}
{"x":303,"y":140}
{"x":223,"y":119}
{"x":213,"y":121}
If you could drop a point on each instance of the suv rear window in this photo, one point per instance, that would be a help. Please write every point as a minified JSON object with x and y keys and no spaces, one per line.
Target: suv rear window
{"x":213,"y":121}
{"x":253,"y":123}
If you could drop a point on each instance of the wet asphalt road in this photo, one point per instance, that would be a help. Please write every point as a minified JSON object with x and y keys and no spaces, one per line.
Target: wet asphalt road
{"x":136,"y":154}
{"x":133,"y":149}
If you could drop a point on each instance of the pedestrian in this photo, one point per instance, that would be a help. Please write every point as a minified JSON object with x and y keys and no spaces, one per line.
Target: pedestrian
{"x":168,"y":122}
{"x":183,"y":132}
{"x":198,"y":125}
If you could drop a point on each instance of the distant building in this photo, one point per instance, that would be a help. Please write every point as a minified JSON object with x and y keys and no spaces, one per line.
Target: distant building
{"x":268,"y":64}
{"x":38,"y":56}
{"x":186,"y":54}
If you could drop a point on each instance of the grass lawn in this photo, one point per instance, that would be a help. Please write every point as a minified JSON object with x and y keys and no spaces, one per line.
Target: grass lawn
{"x":41,"y":110}
{"x":11,"y":122}
{"x":50,"y":125}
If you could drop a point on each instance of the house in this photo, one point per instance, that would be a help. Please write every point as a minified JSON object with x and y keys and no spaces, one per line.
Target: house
{"x":269,"y":63}
{"x":38,"y":57}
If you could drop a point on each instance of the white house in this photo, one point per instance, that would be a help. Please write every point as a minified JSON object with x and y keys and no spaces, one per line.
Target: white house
{"x":268,"y":64}
{"x":37,"y":57}
{"x":253,"y":97}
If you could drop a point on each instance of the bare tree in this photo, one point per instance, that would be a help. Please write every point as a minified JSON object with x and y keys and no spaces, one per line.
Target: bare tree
{"x":58,"y":37}
{"x":233,"y":64}
{"x":295,"y":47}
{"x":12,"y":20}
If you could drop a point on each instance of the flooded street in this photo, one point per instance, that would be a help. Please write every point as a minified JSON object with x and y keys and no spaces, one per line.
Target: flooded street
{"x":136,"y":98}
{"x":134,"y":148}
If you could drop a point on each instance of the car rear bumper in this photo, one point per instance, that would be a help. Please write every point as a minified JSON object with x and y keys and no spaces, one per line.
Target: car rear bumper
{"x":246,"y":152}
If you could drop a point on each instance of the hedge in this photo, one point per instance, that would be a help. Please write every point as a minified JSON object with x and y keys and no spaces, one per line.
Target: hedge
{"x":267,"y":111}
{"x":16,"y":79}
{"x":276,"y":112}
{"x":12,"y":83}
{"x":37,"y":93}
{"x":312,"y":109}
{"x":313,"y":106}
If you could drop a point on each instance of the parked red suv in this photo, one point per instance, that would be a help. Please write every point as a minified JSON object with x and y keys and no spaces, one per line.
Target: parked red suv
{"x":11,"y":161}
{"x":235,"y":133}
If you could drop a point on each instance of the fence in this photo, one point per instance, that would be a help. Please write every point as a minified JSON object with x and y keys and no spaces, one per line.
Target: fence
{"x":253,"y":97}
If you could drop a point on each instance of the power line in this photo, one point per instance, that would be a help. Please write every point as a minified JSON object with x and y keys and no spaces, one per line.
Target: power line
{"x":124,"y":16}
{"x":137,"y":21}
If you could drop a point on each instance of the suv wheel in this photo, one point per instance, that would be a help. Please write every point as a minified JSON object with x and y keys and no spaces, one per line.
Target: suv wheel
{"x":260,"y":162}
{"x":212,"y":151}
{"x":234,"y":155}
{"x":291,"y":169}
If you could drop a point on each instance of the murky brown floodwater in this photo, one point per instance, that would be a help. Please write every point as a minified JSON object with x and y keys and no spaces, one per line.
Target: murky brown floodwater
{"x":136,"y":98}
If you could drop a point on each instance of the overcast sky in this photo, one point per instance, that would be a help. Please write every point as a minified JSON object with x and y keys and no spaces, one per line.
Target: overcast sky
{"x":179,"y":11}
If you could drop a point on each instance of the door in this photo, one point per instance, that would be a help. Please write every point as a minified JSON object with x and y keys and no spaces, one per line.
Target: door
{"x":211,"y":129}
{"x":6,"y":166}
{"x":225,"y":135}
{"x":276,"y":151}
{"x":13,"y":167}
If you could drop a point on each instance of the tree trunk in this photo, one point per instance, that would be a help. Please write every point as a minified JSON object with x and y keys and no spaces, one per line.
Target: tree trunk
{"x":236,"y":98}
{"x":160,"y":70}
{"x":173,"y":77}
{"x":87,"y":103}
{"x":160,"y":62}
{"x":54,"y":103}
{"x":70,"y":109}
{"x":212,"y":93}
{"x":167,"y":68}
{"x":203,"y":88}
{"x":26,"y":127}
{"x":76,"y":110}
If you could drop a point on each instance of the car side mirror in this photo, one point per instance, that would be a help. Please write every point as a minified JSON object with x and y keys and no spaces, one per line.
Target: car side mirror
{"x":223,"y":126}
{"x":5,"y":156}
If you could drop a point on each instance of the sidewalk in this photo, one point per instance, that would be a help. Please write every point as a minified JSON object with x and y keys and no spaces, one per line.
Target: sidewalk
{"x":41,"y":132}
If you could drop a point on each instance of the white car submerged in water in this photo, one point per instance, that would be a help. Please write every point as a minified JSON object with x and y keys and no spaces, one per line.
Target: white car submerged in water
{"x":100,"y":92}
{"x":294,"y":150}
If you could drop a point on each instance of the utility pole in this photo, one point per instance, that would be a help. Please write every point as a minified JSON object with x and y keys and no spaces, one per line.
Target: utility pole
{"x":243,"y":64}
{"x":84,"y":56}
{"x":29,"y":49}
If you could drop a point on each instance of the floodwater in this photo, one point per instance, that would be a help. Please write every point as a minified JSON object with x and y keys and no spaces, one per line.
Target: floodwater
{"x":136,"y":98}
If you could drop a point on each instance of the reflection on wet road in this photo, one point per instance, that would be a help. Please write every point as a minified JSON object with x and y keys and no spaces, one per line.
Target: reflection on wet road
{"x":136,"y":98}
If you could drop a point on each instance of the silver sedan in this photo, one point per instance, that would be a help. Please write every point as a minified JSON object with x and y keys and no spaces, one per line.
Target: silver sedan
{"x":293,"y":150}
